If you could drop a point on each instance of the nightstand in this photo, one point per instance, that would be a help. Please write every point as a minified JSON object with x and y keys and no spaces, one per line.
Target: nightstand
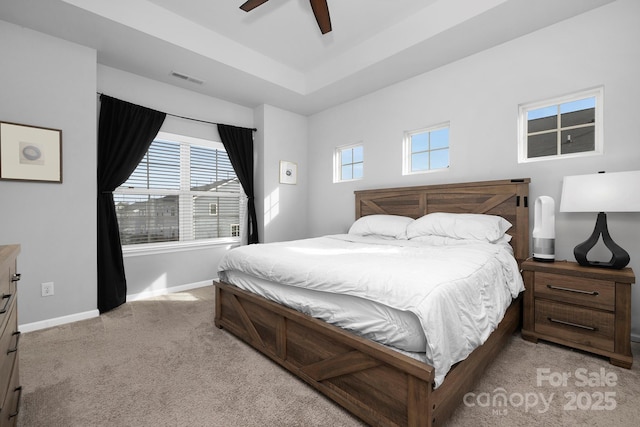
{"x":587,"y":308}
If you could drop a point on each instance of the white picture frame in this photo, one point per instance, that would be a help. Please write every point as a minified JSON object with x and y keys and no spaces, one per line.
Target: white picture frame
{"x":30,"y":153}
{"x":288,"y":172}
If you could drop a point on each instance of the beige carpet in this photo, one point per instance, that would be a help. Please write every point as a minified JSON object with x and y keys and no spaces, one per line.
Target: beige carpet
{"x":162,"y":362}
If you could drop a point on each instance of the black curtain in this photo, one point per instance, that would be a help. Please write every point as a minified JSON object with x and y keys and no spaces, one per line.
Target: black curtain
{"x":239,"y":145}
{"x":125,"y":132}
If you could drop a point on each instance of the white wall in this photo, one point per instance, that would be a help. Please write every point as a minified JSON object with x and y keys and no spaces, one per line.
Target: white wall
{"x":480,"y":95}
{"x":153,"y":274}
{"x":282,"y":208}
{"x":51,"y":83}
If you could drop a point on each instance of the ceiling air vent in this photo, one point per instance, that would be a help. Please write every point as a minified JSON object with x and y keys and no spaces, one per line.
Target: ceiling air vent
{"x":186,"y":77}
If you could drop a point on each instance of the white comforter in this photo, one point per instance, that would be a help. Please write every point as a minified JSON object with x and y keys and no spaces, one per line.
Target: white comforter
{"x":459,"y":290}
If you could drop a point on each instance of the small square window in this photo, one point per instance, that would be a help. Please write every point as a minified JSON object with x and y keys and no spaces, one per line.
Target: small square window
{"x":213,"y":209}
{"x":567,"y":126}
{"x":426,"y":150}
{"x":348,"y":163}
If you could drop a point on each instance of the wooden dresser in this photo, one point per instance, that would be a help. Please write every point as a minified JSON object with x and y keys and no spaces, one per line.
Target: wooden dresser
{"x":587,"y":308}
{"x":10,"y":390}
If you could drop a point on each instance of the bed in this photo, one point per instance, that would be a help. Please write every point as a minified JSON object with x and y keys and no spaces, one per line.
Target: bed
{"x":380,"y":384}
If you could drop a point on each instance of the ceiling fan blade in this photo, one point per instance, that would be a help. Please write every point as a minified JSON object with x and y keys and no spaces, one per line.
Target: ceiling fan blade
{"x":321,"y":11}
{"x":252,"y":4}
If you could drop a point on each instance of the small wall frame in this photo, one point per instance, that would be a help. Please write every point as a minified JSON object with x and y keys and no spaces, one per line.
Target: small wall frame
{"x":30,"y":153}
{"x":288,"y":172}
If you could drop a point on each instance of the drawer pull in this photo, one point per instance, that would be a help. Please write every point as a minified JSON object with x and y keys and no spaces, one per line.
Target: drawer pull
{"x":577,"y":291}
{"x":575,"y":325}
{"x":7,"y":298}
{"x":17,"y":411}
{"x":15,"y":277}
{"x":13,"y":350}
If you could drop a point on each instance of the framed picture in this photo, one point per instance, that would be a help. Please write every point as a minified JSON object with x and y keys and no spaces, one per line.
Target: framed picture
{"x":288,"y":172}
{"x":30,"y":153}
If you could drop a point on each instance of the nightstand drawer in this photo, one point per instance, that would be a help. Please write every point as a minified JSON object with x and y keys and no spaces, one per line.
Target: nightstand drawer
{"x":576,"y":290}
{"x":585,"y":326}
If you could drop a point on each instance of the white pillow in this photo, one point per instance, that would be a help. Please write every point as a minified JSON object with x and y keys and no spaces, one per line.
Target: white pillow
{"x":394,"y":226}
{"x":434,"y":240}
{"x":488,"y":228}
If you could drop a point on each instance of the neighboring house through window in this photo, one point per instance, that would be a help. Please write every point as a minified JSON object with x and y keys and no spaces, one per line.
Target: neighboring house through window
{"x":567,"y":126}
{"x":183,"y":191}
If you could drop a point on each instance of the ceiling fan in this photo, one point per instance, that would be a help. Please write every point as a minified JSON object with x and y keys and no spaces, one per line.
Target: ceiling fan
{"x":320,"y":10}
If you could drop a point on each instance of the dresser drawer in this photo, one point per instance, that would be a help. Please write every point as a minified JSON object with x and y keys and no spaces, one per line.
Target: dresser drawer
{"x":593,"y":328}
{"x":5,"y":283}
{"x":7,"y":273}
{"x":11,"y":403}
{"x":10,"y":391}
{"x":576,"y":290}
{"x":7,"y":302}
{"x":8,"y":292}
{"x":8,"y":349}
{"x":7,"y":289}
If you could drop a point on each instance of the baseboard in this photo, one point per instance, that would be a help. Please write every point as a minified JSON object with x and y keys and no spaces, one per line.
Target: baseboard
{"x":57,"y":321}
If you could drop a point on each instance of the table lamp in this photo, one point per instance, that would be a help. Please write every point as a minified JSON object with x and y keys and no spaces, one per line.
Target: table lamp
{"x":601,"y":192}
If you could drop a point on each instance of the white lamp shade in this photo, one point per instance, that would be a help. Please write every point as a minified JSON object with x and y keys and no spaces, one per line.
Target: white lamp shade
{"x":601,"y":192}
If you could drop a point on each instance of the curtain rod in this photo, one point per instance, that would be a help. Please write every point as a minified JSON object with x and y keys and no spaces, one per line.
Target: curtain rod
{"x":190,"y":118}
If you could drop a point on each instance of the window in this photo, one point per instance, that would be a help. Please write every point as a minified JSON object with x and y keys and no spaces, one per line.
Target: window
{"x":348,"y":163}
{"x":568,"y":126}
{"x":183,"y":190}
{"x":426,"y":149}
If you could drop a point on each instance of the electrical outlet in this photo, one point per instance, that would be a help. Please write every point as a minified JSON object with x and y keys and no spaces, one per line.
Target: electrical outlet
{"x":47,"y":289}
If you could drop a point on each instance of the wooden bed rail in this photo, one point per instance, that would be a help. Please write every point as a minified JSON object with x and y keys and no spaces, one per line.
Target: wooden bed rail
{"x":379,"y":385}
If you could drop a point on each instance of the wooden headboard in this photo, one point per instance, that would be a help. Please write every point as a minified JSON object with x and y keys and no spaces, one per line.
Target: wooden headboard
{"x":506,"y":198}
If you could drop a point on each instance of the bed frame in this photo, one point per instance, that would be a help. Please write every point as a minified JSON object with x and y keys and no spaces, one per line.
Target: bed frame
{"x":379,"y":385}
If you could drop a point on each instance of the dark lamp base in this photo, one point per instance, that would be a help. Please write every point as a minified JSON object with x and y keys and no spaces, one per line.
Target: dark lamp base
{"x":619,"y":257}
